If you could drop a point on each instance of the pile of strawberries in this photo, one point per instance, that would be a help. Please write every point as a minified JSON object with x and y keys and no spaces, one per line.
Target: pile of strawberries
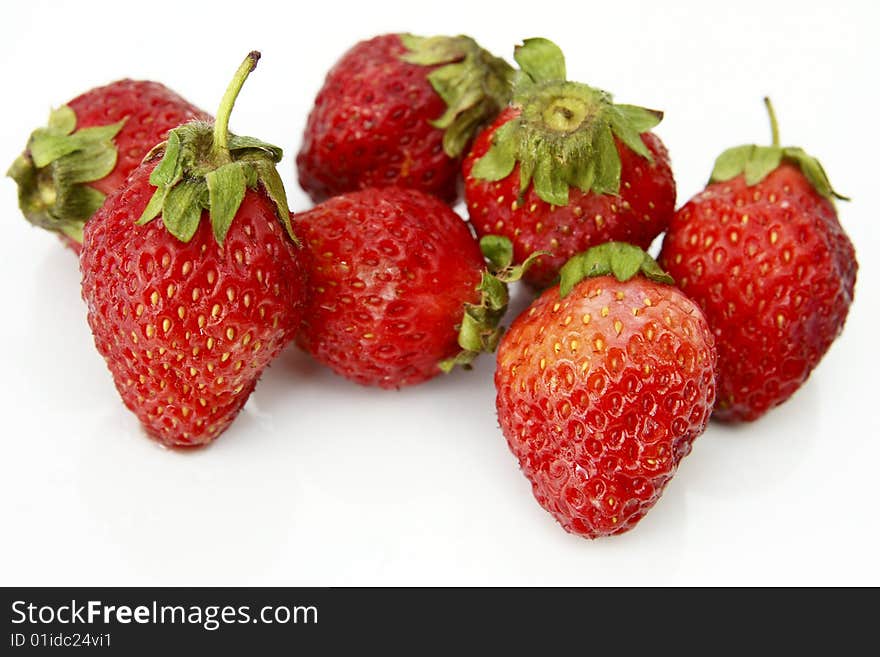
{"x":196,"y":274}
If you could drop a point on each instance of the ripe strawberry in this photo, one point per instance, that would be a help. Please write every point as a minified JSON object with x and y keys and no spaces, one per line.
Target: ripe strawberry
{"x":400,"y":290}
{"x":564,"y":168}
{"x":400,"y":110}
{"x":763,"y":254}
{"x":188,"y":309}
{"x":88,"y":149}
{"x":603,"y":385}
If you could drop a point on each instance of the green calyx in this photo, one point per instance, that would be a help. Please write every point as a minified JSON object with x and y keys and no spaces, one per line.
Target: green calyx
{"x":54,"y":171}
{"x":618,"y":259}
{"x":204,"y":167}
{"x":564,"y":135}
{"x":474,"y":84}
{"x":757,"y":162}
{"x":480,"y":325}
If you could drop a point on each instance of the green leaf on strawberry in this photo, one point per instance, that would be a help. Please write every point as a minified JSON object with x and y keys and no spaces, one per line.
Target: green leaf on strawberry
{"x":52,"y":171}
{"x":474,"y":84}
{"x":203,"y":167}
{"x":757,"y":162}
{"x":619,"y":259}
{"x":480,"y":327}
{"x":564,"y":134}
{"x":540,"y":59}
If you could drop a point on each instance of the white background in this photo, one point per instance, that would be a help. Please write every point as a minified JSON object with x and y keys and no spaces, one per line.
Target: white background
{"x":321,"y":482}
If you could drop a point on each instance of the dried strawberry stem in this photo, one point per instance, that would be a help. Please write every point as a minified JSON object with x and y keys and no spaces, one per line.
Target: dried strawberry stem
{"x":774,"y":126}
{"x":221,"y":126}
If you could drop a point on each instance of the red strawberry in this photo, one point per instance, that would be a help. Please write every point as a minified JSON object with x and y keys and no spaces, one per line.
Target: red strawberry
{"x":88,"y":149}
{"x":192,"y":279}
{"x":763,"y":254}
{"x":603,"y":385}
{"x":400,"y":290}
{"x":564,"y":168}
{"x":400,"y":110}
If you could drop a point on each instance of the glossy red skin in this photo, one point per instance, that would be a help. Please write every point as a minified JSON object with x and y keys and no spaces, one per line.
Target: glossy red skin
{"x":391,"y":270}
{"x":641,"y":211}
{"x":601,"y":395}
{"x":774,"y":272}
{"x":229,"y":311}
{"x":370,"y":127}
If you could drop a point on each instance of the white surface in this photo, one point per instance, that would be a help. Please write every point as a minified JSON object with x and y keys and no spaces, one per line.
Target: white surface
{"x":321,"y":482}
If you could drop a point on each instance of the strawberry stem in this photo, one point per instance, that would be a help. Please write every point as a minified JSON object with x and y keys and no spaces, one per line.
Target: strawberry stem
{"x":220,"y":147}
{"x":774,"y":126}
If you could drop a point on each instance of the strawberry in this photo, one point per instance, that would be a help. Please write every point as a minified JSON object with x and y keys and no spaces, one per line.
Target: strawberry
{"x":762,"y":252}
{"x":400,"y":290}
{"x":88,"y":149}
{"x":603,"y":384}
{"x":563,"y":168}
{"x":192,"y":279}
{"x":399,"y":110}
